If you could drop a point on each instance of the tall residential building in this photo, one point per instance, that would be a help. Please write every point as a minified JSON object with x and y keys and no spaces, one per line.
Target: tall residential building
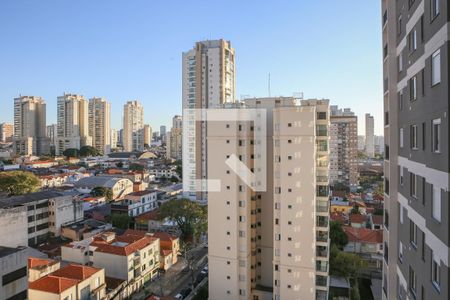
{"x":175,"y":138}
{"x":114,"y":138}
{"x":6,"y":132}
{"x":52,"y":133}
{"x":162,"y":130}
{"x":379,"y":144}
{"x":370,"y":136}
{"x":133,"y":126}
{"x":343,"y":147}
{"x":208,"y":82}
{"x":29,"y":126}
{"x":100,"y":124}
{"x":147,"y":134}
{"x":73,"y":123}
{"x":416,"y":166}
{"x":361,"y":143}
{"x":271,"y":244}
{"x":13,"y":273}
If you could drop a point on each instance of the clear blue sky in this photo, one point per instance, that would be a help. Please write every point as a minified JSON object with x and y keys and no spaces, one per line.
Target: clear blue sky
{"x":131,"y":49}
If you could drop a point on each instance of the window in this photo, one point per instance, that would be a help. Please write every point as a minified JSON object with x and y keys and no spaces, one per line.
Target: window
{"x":321,"y":115}
{"x":399,"y":25}
{"x":436,"y":67}
{"x":14,"y":275}
{"x":400,"y":251}
{"x":400,"y":62}
{"x":434,"y":8}
{"x":413,"y":132}
{"x":436,"y":272}
{"x":424,"y":138}
{"x":436,"y":203}
{"x":413,"y":184}
{"x":401,"y":138}
{"x":400,"y":100}
{"x":413,"y":40}
{"x":413,"y":88}
{"x":412,"y":281}
{"x":401,"y":176}
{"x":437,"y":135}
{"x":400,"y":208}
{"x":413,"y":233}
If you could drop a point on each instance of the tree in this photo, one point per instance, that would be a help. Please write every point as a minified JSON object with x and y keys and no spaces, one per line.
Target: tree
{"x":121,"y":221}
{"x":339,"y":186}
{"x":337,"y":235}
{"x":119,"y":164}
{"x":86,"y":151}
{"x":345,"y":264}
{"x":174,"y":179}
{"x":71,"y":152}
{"x":18,"y":182}
{"x":190,"y":217}
{"x":136,"y":167}
{"x":187,"y":253}
{"x":102,"y":192}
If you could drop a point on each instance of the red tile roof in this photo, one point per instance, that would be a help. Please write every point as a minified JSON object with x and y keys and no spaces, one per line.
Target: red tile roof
{"x":52,"y":284}
{"x":337,"y":216}
{"x":376,"y":219}
{"x":165,"y":252}
{"x":78,"y":272}
{"x":133,"y":242}
{"x":151,"y":215}
{"x":363,"y":235}
{"x":34,"y":262}
{"x":164,"y":236}
{"x":357,"y":218}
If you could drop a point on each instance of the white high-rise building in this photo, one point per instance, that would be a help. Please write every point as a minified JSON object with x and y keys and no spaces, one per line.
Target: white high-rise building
{"x":370,"y":136}
{"x":208,"y":81}
{"x":73,"y":123}
{"x":30,"y":126}
{"x":133,"y":126}
{"x":6,"y":132}
{"x":271,"y":244}
{"x":147,"y":134}
{"x":100,"y":124}
{"x":114,"y":138}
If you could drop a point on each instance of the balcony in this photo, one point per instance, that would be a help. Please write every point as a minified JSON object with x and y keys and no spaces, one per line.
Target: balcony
{"x":321,"y":130}
{"x":322,"y":221}
{"x":322,"y":251}
{"x":321,"y":280}
{"x":322,"y":191}
{"x":322,"y":178}
{"x":322,"y":236}
{"x":321,"y":266}
{"x":322,"y":206}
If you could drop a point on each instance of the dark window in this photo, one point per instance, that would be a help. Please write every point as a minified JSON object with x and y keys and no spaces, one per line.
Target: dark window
{"x":14,"y":275}
{"x":42,"y":205}
{"x":20,"y":296}
{"x":42,"y":226}
{"x":423,"y":135}
{"x":321,"y":115}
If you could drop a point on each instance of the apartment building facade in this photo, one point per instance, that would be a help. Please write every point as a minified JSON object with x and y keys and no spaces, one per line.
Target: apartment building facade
{"x":133,"y":126}
{"x":147,"y":134}
{"x":344,"y":148}
{"x":100,"y":124}
{"x":416,"y":167}
{"x":370,"y":136}
{"x":175,"y":138}
{"x":6,"y":132}
{"x":29,"y":126}
{"x":73,"y":123}
{"x":46,"y":211}
{"x":208,"y":82}
{"x":13,"y":273}
{"x":272,"y":244}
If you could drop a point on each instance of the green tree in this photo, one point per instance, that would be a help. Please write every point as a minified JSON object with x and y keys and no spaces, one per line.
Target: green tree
{"x":345,"y":264}
{"x":71,"y":152}
{"x":339,"y":186}
{"x":102,"y":192}
{"x":121,"y":221}
{"x":337,"y":235}
{"x":190,"y":217}
{"x":136,"y":167}
{"x":119,"y":164}
{"x":18,"y":182}
{"x":86,"y":151}
{"x":174,"y":179}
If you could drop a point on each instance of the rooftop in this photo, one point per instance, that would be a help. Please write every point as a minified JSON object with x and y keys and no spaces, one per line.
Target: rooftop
{"x":363,"y":235}
{"x":28,"y":198}
{"x":97,"y":181}
{"x":5,"y":251}
{"x":39,"y":263}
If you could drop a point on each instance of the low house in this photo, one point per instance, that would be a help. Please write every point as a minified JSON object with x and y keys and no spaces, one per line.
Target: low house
{"x":131,"y":256}
{"x":84,"y":229}
{"x":119,"y":186}
{"x":151,"y":222}
{"x":70,"y":282}
{"x":358,"y":220}
{"x":367,"y":243}
{"x":170,"y":248}
{"x":136,"y":203}
{"x":375,"y":221}
{"x":40,"y":267}
{"x":341,"y":206}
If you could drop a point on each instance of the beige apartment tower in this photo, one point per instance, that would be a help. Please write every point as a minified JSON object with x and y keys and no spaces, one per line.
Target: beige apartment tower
{"x":148,"y":134}
{"x":100,"y":124}
{"x":175,"y":138}
{"x":208,"y":82}
{"x":73,"y":123}
{"x":6,"y":132}
{"x":29,"y":126}
{"x":133,"y":126}
{"x":271,"y":244}
{"x":370,"y":136}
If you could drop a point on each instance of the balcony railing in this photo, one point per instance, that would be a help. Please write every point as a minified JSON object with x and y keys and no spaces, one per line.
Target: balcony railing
{"x":322,"y":221}
{"x":322,"y":251}
{"x":321,"y":266}
{"x":322,"y":236}
{"x":322,"y":206}
{"x":321,"y":280}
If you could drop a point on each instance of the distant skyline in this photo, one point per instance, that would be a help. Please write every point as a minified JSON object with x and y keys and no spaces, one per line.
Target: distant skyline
{"x":132,"y":51}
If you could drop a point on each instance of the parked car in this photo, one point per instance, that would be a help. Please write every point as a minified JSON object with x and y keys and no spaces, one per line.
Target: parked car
{"x":179,"y":296}
{"x":186,"y":292}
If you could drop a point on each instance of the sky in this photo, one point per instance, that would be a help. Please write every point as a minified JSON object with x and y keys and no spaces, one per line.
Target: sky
{"x":131,"y":50}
